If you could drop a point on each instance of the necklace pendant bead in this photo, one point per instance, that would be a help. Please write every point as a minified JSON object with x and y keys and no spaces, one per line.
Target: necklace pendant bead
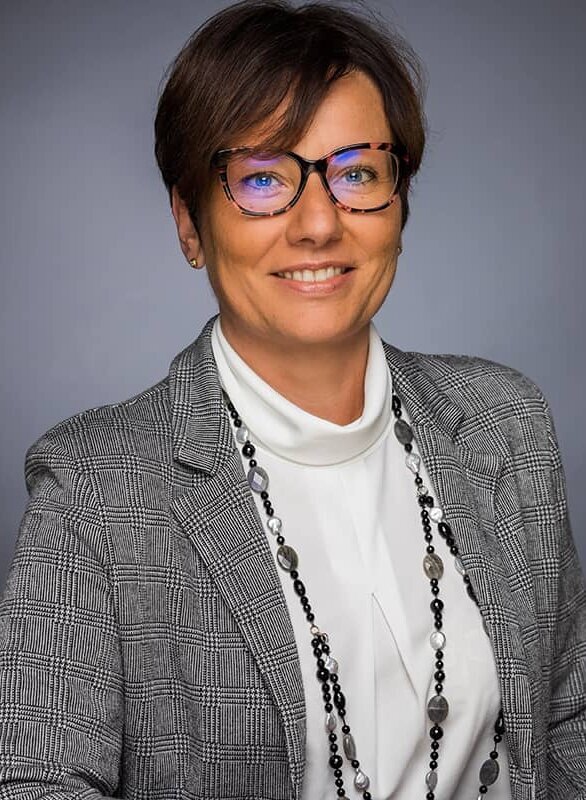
{"x":403,"y":432}
{"x":242,"y":434}
{"x":422,"y":490}
{"x":431,"y":779}
{"x":331,"y":665}
{"x":258,"y":479}
{"x":489,"y":771}
{"x":436,"y":514}
{"x":433,"y":566}
{"x":413,"y":461}
{"x":349,"y":746}
{"x":437,"y":708}
{"x":361,"y":781}
{"x":437,"y":640}
{"x":330,"y":722}
{"x":287,"y":558}
{"x":275,"y":525}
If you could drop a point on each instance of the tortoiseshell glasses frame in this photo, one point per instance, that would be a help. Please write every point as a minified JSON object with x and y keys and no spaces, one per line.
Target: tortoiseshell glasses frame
{"x":307,"y":166}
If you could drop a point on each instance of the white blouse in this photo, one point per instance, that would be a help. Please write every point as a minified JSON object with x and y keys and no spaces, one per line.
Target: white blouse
{"x":348,"y":507}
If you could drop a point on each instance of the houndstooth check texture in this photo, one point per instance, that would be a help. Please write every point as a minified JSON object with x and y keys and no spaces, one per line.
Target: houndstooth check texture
{"x":146,"y":650}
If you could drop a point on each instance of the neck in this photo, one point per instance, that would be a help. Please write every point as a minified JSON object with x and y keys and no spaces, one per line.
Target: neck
{"x":325,"y":379}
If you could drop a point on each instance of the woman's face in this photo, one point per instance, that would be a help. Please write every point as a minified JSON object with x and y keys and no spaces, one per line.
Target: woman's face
{"x":244,"y":253}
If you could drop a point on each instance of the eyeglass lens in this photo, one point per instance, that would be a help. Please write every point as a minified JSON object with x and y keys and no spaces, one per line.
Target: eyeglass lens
{"x":361,"y":178}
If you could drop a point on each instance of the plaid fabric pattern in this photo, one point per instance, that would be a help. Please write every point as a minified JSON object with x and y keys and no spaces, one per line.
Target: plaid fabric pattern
{"x":146,"y":650}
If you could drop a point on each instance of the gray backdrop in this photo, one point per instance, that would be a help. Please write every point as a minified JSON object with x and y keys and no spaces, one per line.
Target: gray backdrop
{"x":96,"y":298}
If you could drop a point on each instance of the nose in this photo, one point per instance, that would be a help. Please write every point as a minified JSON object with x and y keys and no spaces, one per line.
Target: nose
{"x":314,"y":216}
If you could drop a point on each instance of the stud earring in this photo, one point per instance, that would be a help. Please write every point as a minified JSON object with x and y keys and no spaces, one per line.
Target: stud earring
{"x":399,"y":249}
{"x":193,"y":262}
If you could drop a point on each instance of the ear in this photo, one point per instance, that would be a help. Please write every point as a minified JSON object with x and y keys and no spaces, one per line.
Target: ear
{"x":189,"y":239}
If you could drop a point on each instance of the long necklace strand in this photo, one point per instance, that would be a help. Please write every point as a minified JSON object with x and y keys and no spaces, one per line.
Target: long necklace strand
{"x":327,"y":666}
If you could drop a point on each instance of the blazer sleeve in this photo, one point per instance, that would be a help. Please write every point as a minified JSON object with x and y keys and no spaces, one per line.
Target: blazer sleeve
{"x":61,"y":686}
{"x":566,"y":738}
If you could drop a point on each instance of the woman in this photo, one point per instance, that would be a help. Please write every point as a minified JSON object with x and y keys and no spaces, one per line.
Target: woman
{"x":305,"y":564}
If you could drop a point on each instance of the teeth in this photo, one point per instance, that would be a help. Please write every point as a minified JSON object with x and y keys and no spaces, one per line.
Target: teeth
{"x":312,"y":276}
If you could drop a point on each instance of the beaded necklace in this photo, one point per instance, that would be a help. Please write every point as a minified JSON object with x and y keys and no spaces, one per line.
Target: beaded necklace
{"x":327,"y":666}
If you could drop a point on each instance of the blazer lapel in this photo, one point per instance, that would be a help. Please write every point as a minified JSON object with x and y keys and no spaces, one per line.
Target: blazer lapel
{"x":219,"y":515}
{"x":466,"y":477}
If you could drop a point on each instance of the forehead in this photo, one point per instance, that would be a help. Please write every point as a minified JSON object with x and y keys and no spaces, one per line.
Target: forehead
{"x":351,"y":111}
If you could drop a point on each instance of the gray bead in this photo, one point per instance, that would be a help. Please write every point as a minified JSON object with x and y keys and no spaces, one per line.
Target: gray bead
{"x":258,"y":479}
{"x":437,"y":708}
{"x":330,"y":722}
{"x":361,"y":780}
{"x":437,"y":640}
{"x":489,"y":772}
{"x":459,"y":566}
{"x":274,"y":524}
{"x":436,"y":514}
{"x":349,"y":746}
{"x":422,"y":490}
{"x":287,"y":558}
{"x":431,"y":779}
{"x":433,"y":566}
{"x":331,"y":665}
{"x":413,"y":462}
{"x":403,"y":432}
{"x":242,"y":434}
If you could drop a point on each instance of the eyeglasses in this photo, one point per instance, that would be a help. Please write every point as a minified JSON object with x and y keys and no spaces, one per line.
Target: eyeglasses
{"x":359,"y":178}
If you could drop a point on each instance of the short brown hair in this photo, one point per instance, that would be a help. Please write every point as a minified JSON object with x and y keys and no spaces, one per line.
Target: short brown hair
{"x":238,"y":66}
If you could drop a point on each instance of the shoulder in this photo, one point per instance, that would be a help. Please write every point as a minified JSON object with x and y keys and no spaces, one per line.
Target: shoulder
{"x":82,"y":442}
{"x":479,"y":382}
{"x":499,"y":402}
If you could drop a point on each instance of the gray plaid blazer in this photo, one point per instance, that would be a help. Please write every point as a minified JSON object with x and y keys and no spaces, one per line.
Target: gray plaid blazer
{"x":146,"y":650}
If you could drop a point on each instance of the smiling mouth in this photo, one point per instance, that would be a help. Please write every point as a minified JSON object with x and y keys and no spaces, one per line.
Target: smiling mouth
{"x":313,"y":275}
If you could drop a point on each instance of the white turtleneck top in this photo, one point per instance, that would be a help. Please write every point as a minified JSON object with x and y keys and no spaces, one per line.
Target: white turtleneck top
{"x":348,"y":507}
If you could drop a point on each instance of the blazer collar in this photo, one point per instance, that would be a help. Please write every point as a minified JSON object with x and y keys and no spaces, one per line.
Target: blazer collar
{"x":201,"y":431}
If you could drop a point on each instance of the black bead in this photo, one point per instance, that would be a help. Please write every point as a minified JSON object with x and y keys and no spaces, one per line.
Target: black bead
{"x":310,"y":617}
{"x":336,"y":762}
{"x":433,"y":764}
{"x":428,"y":537}
{"x":430,"y":548}
{"x":430,"y":796}
{"x":267,"y":503}
{"x":337,"y":773}
{"x":439,"y":688}
{"x":454,"y":550}
{"x":248,"y":450}
{"x":418,"y":480}
{"x":280,"y":539}
{"x":299,"y":587}
{"x":252,"y":463}
{"x":434,"y":747}
{"x":483,"y":789}
{"x":366,"y":796}
{"x":339,"y":700}
{"x":444,"y":528}
{"x":332,"y":737}
{"x":305,"y":602}
{"x":334,"y":679}
{"x":494,"y":755}
{"x":408,"y":448}
{"x":436,"y":732}
{"x":435,"y":590}
{"x":436,"y":605}
{"x":264,"y":495}
{"x":329,"y":707}
{"x":355,"y":763}
{"x":339,"y":782}
{"x":322,"y":675}
{"x":270,"y":512}
{"x":439,"y":675}
{"x":333,"y":747}
{"x":499,"y":726}
{"x":345,"y":729}
{"x":294,"y":574}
